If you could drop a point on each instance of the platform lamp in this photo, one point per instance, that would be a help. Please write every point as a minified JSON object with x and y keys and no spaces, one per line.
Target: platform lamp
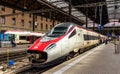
{"x":70,"y":8}
{"x":94,"y":18}
{"x":86,"y":12}
{"x":115,"y":8}
{"x":100,"y":19}
{"x":36,"y":23}
{"x":116,"y":42}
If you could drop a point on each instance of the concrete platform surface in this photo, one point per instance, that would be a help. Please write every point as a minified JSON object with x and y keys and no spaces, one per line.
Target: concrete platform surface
{"x":99,"y":60}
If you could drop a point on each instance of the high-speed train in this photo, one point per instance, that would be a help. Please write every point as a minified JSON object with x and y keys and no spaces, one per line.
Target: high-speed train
{"x":63,"y":39}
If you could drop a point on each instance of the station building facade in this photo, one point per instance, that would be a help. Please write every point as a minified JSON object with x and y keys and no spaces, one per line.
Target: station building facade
{"x":24,"y":21}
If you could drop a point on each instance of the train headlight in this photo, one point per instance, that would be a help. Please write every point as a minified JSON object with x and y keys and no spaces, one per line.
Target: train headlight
{"x":51,"y":46}
{"x":33,"y":56}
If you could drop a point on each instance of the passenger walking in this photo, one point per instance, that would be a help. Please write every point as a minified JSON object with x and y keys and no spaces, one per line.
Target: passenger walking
{"x":100,"y":41}
{"x":106,"y":41}
{"x":117,"y":45}
{"x":13,"y":43}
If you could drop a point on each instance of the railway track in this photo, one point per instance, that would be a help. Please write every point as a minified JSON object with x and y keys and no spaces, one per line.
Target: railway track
{"x":34,"y":70}
{"x":40,"y":68}
{"x":4,"y":57}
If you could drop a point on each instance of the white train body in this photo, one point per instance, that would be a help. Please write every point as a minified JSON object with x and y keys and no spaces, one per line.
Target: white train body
{"x":61,"y":41}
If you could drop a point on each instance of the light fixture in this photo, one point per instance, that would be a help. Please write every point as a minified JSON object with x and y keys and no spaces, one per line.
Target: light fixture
{"x":25,"y":7}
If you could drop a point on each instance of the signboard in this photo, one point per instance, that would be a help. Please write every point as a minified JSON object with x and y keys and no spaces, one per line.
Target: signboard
{"x":100,"y":27}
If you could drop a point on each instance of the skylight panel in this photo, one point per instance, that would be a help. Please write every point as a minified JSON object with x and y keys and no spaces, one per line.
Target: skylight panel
{"x":65,"y":7}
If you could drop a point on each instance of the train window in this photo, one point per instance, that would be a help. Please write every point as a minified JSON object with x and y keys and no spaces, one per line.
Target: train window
{"x":90,"y":37}
{"x":22,"y":37}
{"x":27,"y":38}
{"x":72,"y":34}
{"x":11,"y":36}
{"x":85,"y":37}
{"x":57,"y":31}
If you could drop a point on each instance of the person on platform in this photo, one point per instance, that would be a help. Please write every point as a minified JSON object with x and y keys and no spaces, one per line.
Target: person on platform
{"x":117,"y":45}
{"x":13,"y":43}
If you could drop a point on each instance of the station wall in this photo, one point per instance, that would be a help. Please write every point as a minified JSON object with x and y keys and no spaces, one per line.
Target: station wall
{"x":23,"y":21}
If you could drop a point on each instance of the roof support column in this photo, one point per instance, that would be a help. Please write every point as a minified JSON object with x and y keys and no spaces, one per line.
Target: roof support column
{"x":100,"y":11}
{"x":53,"y":22}
{"x":53,"y":19}
{"x":33,"y":27}
{"x":94,"y":18}
{"x":70,"y":7}
{"x":93,"y":25}
{"x":86,"y":18}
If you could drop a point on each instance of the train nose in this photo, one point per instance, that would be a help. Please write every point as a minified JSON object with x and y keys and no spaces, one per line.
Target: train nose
{"x":37,"y":56}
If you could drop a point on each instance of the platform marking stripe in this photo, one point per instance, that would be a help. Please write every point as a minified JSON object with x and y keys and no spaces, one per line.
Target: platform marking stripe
{"x":73,"y":63}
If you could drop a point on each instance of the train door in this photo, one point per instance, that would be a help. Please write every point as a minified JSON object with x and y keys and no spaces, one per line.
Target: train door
{"x":72,"y":40}
{"x":79,"y":38}
{"x":64,"y":47}
{"x":30,"y":39}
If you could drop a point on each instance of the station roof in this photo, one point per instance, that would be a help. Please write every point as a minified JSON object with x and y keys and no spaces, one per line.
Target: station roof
{"x":99,"y":11}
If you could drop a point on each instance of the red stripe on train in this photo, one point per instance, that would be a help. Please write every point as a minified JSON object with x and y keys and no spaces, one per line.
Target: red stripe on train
{"x":41,"y":46}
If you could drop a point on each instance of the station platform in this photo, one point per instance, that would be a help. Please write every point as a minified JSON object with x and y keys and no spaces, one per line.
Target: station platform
{"x":99,"y":60}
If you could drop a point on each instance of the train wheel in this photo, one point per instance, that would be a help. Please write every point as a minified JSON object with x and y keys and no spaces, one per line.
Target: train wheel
{"x":70,"y":55}
{"x":76,"y":54}
{"x":81,"y":50}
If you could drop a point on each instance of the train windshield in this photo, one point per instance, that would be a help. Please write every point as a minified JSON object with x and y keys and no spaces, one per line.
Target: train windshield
{"x":57,"y":31}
